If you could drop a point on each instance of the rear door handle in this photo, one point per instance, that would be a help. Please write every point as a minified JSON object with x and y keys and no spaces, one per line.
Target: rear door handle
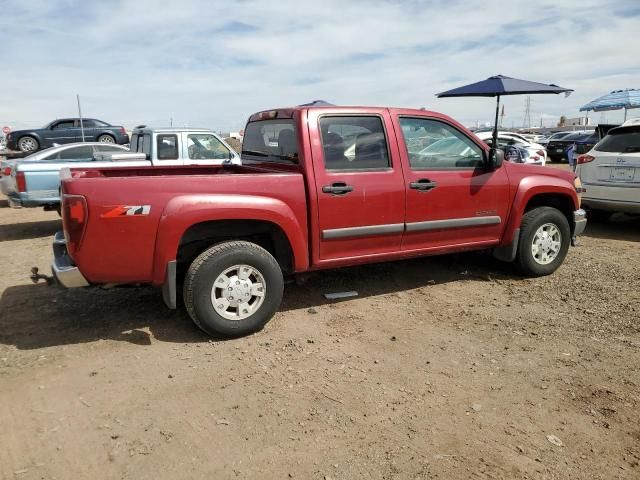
{"x":338,"y":188}
{"x":423,"y":185}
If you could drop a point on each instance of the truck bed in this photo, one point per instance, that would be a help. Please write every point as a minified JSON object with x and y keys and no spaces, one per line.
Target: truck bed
{"x":120,"y":248}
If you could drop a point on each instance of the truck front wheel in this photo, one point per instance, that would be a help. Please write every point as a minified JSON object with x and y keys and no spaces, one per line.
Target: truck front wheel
{"x":544,"y":241}
{"x":233,"y":289}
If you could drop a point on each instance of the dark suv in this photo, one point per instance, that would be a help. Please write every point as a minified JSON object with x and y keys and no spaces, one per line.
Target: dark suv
{"x":66,"y":130}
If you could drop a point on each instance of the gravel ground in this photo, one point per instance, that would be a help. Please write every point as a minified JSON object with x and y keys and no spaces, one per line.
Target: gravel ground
{"x":444,"y":367}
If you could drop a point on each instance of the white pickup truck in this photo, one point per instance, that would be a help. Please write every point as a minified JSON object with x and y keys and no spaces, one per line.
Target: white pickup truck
{"x":179,"y":146}
{"x":34,"y":181}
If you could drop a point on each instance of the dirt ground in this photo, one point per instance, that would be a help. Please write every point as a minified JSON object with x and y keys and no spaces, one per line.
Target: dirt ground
{"x":445,"y":367}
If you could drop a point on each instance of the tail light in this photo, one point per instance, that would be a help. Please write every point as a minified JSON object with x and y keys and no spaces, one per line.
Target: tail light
{"x":540,"y":152}
{"x":21,"y":182}
{"x":123,"y":131}
{"x":536,"y":157}
{"x":74,"y":220}
{"x":6,"y":172}
{"x":585,"y":159}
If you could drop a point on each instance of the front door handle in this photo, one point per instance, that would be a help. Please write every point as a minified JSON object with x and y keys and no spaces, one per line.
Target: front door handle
{"x":423,"y":185}
{"x":338,"y":188}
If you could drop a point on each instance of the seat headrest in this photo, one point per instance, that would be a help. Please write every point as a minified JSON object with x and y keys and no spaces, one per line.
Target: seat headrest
{"x":287,"y":142}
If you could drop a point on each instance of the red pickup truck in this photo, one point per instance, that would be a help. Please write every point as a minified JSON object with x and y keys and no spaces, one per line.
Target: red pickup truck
{"x":320,"y":187}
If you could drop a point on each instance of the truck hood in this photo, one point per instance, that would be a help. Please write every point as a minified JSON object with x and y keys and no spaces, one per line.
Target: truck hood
{"x":523,"y":170}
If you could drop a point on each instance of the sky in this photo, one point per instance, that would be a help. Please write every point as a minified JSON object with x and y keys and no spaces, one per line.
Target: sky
{"x":213,"y":63}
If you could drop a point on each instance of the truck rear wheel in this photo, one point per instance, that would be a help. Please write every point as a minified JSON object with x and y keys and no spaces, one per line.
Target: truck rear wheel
{"x":544,"y":241}
{"x":233,"y":289}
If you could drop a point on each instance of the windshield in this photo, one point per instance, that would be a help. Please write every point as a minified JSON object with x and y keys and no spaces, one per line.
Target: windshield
{"x":623,"y":141}
{"x":270,"y":140}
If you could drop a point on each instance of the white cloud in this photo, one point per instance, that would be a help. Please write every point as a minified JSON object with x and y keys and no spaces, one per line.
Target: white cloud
{"x":214,"y":63}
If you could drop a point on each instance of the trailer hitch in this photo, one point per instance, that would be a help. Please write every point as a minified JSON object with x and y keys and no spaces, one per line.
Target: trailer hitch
{"x":36,"y":277}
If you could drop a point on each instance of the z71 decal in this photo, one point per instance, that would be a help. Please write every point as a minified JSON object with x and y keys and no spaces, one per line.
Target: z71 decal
{"x":126,"y":211}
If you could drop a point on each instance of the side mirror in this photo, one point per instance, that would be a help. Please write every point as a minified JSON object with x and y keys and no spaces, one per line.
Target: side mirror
{"x":496,"y":157}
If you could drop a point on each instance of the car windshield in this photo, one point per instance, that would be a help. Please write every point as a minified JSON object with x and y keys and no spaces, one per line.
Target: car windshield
{"x":622,"y":141}
{"x":270,"y":140}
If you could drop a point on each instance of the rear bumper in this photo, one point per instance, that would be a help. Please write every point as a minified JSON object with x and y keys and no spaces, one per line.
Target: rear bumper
{"x":30,"y":200}
{"x":580,"y":221}
{"x":63,"y":268}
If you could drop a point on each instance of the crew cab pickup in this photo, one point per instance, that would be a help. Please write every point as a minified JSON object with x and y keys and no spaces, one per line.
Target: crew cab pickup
{"x":318,"y":188}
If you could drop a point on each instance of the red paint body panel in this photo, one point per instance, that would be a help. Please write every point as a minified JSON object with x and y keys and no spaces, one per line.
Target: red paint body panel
{"x":135,"y":248}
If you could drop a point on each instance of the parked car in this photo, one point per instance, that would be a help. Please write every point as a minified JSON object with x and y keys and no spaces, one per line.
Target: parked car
{"x":34,"y":181}
{"x":554,"y":136}
{"x":180,"y":146}
{"x":6,"y":167}
{"x":537,"y":152}
{"x":37,"y":177}
{"x":229,"y":234}
{"x":557,"y":149}
{"x":610,"y":172}
{"x":66,"y":130}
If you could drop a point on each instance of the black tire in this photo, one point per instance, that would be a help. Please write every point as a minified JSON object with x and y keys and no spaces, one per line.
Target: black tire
{"x":531,"y":222}
{"x":106,"y":138}
{"x":28,"y":144}
{"x":209,"y":265}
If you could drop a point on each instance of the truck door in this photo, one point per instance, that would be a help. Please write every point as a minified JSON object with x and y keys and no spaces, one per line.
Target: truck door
{"x":167,"y":148}
{"x":452,"y":198}
{"x":359,"y":183}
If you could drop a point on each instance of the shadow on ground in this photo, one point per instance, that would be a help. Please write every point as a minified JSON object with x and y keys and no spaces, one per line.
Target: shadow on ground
{"x":38,"y":316}
{"x":29,"y":230}
{"x":4,"y":203}
{"x":618,"y":227}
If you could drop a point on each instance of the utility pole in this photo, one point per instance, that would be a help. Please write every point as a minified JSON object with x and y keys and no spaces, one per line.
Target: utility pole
{"x":527,"y":113}
{"x":80,"y":115}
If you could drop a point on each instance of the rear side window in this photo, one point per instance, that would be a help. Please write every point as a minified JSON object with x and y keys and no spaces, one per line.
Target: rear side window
{"x":271,"y":140}
{"x":625,"y":141}
{"x":167,"y":147}
{"x":354,"y":143}
{"x":63,"y":125}
{"x":77,"y":154}
{"x":109,"y":149}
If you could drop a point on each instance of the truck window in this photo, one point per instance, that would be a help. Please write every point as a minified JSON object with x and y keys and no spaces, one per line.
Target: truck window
{"x":204,"y":146}
{"x":435,"y":145}
{"x":354,"y":143}
{"x":270,"y":140}
{"x":167,"y":146}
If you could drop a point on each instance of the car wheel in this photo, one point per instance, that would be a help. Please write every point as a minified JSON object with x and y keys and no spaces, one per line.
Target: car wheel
{"x":106,"y":139}
{"x":544,"y":241}
{"x":233,"y":289}
{"x":28,"y":144}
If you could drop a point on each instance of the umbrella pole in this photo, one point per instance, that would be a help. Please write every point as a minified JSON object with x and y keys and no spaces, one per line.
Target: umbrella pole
{"x":625,"y":114}
{"x":495,"y":128}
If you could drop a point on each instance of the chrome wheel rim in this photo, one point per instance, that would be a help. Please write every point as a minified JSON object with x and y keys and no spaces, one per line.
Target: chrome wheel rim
{"x":27,"y":144}
{"x":546,"y":244}
{"x":106,"y":139}
{"x":238,"y":292}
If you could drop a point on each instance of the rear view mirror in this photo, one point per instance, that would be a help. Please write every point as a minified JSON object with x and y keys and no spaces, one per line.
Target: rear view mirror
{"x":496,"y":157}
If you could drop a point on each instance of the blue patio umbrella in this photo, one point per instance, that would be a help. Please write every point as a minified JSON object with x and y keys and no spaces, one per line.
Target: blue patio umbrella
{"x":616,"y":100}
{"x":501,"y":85}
